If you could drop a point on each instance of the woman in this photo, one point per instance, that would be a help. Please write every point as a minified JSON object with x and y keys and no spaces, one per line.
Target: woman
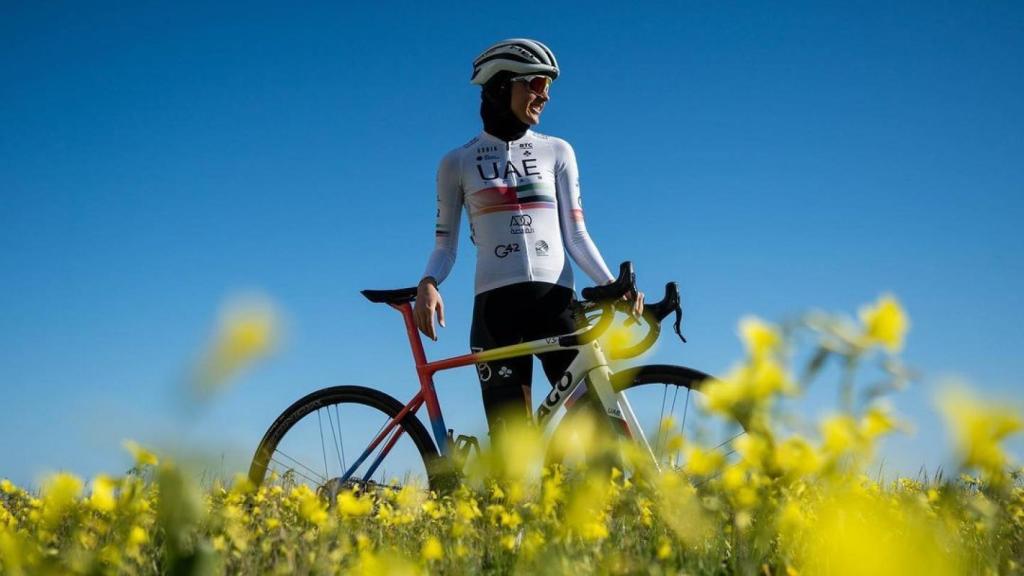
{"x":521,"y":192}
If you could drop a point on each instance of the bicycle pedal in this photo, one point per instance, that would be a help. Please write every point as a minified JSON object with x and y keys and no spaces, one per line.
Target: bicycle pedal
{"x":465,"y":444}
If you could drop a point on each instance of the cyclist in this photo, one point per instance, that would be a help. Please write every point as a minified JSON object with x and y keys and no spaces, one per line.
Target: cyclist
{"x":521,"y":192}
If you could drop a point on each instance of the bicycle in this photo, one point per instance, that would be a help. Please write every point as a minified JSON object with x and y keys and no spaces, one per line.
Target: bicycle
{"x":435,"y":458}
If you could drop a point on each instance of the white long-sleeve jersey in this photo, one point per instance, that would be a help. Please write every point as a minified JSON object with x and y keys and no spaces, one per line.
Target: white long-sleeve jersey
{"x":523,"y":202}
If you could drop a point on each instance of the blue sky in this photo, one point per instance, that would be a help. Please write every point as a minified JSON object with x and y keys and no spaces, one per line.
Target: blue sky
{"x":156,"y":159}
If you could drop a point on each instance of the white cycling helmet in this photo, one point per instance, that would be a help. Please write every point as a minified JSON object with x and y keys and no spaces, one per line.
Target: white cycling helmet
{"x":517,"y":55}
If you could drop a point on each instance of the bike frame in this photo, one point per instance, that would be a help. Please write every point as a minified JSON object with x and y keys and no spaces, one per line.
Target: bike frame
{"x":588,"y":370}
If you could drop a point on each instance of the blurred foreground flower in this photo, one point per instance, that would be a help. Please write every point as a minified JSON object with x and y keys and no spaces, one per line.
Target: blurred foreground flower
{"x":60,"y":491}
{"x":978,"y":428}
{"x":858,"y":533}
{"x":885,"y":323}
{"x":247,"y":331}
{"x":142,"y":456}
{"x":760,"y":338}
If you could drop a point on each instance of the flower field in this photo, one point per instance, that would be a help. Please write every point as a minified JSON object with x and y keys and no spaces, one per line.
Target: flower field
{"x":782,"y":499}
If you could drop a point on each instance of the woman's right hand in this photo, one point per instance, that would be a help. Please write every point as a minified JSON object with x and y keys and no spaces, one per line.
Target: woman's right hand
{"x":428,"y":299}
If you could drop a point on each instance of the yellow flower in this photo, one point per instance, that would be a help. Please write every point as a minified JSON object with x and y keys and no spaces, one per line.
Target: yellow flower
{"x":432,"y":509}
{"x":978,"y":428}
{"x":532,"y":543}
{"x":247,"y":331}
{"x":311,"y":507}
{"x":520,"y":455}
{"x":839,"y":434}
{"x":620,"y":337}
{"x":59,"y":493}
{"x":795,"y":457}
{"x":855,"y":533}
{"x":885,"y":323}
{"x":410,"y":498}
{"x":747,"y":385}
{"x":664,"y":550}
{"x":467,"y":510}
{"x":734,"y":477}
{"x":752,"y":448}
{"x":12,"y":551}
{"x":7,"y":487}
{"x":722,"y":396}
{"x":511,"y":519}
{"x":142,"y":456}
{"x":586,"y":513}
{"x":102,"y":497}
{"x":137,"y":536}
{"x":432,"y":549}
{"x":878,"y":421}
{"x":791,"y":519}
{"x":701,"y":462}
{"x":746,"y":497}
{"x":759,"y":337}
{"x":219,"y":543}
{"x":594,"y":530}
{"x":350,"y":504}
{"x":767,"y":377}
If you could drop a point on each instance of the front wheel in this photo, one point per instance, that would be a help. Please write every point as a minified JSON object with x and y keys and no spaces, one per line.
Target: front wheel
{"x":323,"y":440}
{"x":666,"y":400}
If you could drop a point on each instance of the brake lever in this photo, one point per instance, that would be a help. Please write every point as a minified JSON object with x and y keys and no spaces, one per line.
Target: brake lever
{"x":679,"y":320}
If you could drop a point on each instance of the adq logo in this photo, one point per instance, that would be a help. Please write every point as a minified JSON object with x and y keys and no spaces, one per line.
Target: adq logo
{"x":521,"y":224}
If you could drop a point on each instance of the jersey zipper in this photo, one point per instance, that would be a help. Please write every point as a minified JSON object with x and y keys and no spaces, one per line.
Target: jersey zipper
{"x":525,"y":247}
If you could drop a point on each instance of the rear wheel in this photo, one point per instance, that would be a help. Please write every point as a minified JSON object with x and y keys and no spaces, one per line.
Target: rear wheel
{"x":322,"y":440}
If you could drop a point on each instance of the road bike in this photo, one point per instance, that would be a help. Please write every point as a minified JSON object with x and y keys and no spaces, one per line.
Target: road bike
{"x":353,"y":435}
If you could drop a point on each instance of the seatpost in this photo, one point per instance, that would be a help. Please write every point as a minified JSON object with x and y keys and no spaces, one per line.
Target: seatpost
{"x":426,"y":377}
{"x":414,"y":334}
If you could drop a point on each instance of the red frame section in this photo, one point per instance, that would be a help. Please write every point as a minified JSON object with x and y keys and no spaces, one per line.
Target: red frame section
{"x":425,"y":371}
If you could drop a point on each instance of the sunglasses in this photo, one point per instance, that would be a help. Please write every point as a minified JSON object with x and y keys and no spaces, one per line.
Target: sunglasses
{"x":538,"y":83}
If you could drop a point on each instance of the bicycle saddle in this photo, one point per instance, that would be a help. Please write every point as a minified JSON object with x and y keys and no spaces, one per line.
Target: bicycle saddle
{"x":390,"y":296}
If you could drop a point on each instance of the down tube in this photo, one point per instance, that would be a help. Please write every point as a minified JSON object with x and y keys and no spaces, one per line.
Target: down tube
{"x":385,"y":434}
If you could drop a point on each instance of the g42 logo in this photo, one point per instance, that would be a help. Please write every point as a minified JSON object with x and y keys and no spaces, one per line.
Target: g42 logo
{"x":502,"y":250}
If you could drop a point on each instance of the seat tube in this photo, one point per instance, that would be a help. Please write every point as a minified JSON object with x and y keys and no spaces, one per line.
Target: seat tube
{"x":426,"y":378}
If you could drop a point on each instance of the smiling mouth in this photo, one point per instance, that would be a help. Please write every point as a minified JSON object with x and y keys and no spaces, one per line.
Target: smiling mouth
{"x":536,"y":108}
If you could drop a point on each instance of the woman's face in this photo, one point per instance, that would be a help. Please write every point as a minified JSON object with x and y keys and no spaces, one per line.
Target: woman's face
{"x":527,"y":105}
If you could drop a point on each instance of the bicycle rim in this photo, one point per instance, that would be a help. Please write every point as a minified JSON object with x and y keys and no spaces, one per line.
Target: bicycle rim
{"x":668,"y":405}
{"x":324,"y":441}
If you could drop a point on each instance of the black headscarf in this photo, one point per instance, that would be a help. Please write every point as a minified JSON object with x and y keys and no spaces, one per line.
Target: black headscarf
{"x":496,"y":109}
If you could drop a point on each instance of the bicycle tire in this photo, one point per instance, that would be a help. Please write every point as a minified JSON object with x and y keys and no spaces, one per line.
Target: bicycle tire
{"x":659,"y":374}
{"x":673,"y":378}
{"x":337,"y":396}
{"x":680,"y":377}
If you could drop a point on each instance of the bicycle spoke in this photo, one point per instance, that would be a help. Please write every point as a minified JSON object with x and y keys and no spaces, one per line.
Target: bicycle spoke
{"x":672,"y":412}
{"x":319,"y":421}
{"x":738,"y":434}
{"x":337,"y":451}
{"x":682,"y":427}
{"x":661,"y":422}
{"x":356,"y":416}
{"x":279,"y":451}
{"x":337,"y":417}
{"x":287,"y":469}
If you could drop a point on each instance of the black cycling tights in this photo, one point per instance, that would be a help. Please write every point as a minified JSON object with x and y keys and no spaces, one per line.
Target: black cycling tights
{"x":510,"y":315}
